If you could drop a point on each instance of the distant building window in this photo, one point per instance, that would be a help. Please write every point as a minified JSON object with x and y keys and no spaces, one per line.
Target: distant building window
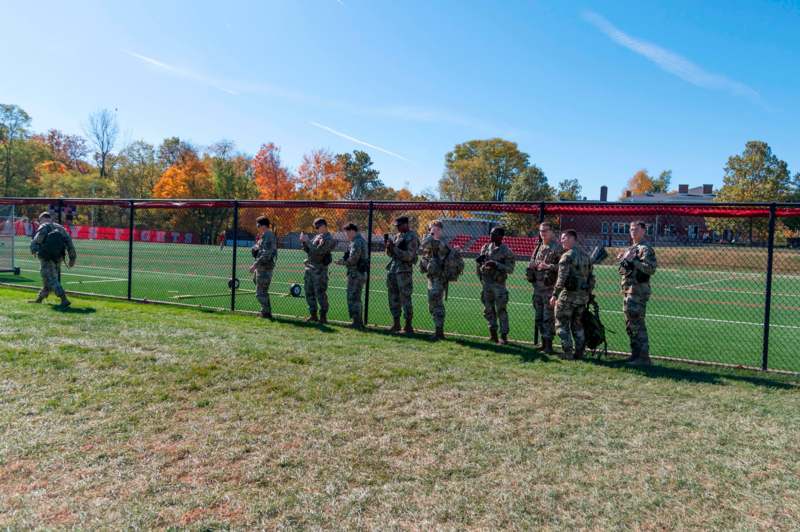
{"x":692,"y":231}
{"x":650,"y":229}
{"x":604,"y":228}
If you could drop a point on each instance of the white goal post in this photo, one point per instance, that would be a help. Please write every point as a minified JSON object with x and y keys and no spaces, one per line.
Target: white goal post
{"x":7,"y":238}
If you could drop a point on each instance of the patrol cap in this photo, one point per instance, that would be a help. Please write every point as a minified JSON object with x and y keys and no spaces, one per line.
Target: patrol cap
{"x":351,"y":227}
{"x":45,"y":214}
{"x":320,"y":221}
{"x":497,"y":230}
{"x":400,"y":220}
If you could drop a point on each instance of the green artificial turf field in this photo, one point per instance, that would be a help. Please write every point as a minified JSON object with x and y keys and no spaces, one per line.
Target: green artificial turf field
{"x":706,"y":314}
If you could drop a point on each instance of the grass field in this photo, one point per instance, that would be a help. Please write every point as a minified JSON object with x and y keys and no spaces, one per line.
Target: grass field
{"x":700,"y":313}
{"x":119,"y":415}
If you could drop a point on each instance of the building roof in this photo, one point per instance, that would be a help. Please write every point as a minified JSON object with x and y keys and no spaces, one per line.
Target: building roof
{"x":695,"y":195}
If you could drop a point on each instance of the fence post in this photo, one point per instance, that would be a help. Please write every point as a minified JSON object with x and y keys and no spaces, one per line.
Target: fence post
{"x":235,"y":248}
{"x":768,"y":292}
{"x":130,"y":249}
{"x":369,"y":263}
{"x":59,"y":208}
{"x":541,"y":212}
{"x":535,"y":326}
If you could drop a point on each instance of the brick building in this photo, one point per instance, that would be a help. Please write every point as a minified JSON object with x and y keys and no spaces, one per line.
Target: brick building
{"x":613,"y":229}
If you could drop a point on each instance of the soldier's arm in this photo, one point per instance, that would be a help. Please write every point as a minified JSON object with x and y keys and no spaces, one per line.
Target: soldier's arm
{"x":70,"y":247}
{"x":563,"y":273}
{"x":354,"y":254}
{"x":591,"y":279}
{"x":408,"y":254}
{"x":265,"y":252}
{"x":507,"y":263}
{"x":553,"y":258}
{"x":646,"y":262}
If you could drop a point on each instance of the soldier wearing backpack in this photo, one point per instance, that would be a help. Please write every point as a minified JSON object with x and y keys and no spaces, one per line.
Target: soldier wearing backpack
{"x":51,"y":245}
{"x":441,"y":264}
{"x":572,"y":293}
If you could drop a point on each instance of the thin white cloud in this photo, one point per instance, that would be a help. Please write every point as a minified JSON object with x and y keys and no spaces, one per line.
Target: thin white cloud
{"x":182,"y":72}
{"x":671,"y":62}
{"x":358,"y":141}
{"x":406,"y":113}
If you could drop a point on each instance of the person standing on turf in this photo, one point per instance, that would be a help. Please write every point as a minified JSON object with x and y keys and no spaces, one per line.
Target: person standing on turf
{"x":51,"y":244}
{"x":495,"y":264}
{"x":355,"y":258}
{"x":319,"y":258}
{"x":265,"y":252}
{"x":572,"y":292}
{"x":402,"y":248}
{"x":636,"y":265}
{"x":542,"y":273}
{"x":434,"y":252}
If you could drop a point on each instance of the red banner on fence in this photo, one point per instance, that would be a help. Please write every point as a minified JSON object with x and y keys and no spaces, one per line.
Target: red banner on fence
{"x":86,"y":232}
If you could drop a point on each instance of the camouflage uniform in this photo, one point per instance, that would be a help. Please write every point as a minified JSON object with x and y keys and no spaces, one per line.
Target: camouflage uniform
{"x":544,"y":282}
{"x":572,"y":291}
{"x":316,"y":275}
{"x":51,"y":269}
{"x":399,"y":280}
{"x":636,"y":291}
{"x":432,"y":265}
{"x":494,"y":294}
{"x":356,"y":253}
{"x":265,"y":263}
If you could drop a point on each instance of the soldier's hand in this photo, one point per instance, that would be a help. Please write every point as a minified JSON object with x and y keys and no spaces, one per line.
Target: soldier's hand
{"x":541,"y":266}
{"x":553,"y":301}
{"x":303,"y":237}
{"x":253,"y":268}
{"x":490,"y":265}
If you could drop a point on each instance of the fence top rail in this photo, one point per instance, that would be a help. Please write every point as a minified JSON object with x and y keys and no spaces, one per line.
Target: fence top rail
{"x":708,"y":209}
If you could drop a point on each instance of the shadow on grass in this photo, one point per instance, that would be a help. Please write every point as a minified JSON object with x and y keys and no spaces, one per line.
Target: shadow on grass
{"x":301,"y":323}
{"x":700,"y":374}
{"x":73,"y":310}
{"x":11,"y":280}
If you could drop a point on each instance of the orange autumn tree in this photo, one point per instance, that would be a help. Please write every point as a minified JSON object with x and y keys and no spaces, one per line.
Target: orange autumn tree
{"x":274,"y":182}
{"x":321,"y":176}
{"x":189,"y":178}
{"x":640,"y":183}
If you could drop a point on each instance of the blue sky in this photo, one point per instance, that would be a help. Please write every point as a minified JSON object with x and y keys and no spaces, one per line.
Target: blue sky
{"x":591,"y":90}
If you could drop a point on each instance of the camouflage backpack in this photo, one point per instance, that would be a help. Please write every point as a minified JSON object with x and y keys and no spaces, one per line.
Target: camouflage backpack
{"x":593,"y":329}
{"x":54,"y":246}
{"x":453,"y":265}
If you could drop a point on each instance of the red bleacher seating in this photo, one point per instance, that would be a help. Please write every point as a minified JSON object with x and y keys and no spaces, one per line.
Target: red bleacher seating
{"x":520,"y":245}
{"x":459,"y":241}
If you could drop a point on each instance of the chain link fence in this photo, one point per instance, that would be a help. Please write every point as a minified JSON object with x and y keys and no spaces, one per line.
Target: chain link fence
{"x":727,"y":288}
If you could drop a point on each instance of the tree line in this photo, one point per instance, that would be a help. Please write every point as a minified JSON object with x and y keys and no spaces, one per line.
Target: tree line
{"x":56,"y":164}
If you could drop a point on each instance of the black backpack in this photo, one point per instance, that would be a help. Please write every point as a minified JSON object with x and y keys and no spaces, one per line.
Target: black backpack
{"x":593,"y":328}
{"x":54,"y":246}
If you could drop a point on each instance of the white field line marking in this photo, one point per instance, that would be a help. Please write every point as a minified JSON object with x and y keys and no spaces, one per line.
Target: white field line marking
{"x":707,"y":282}
{"x":104,"y":277}
{"x":731,"y":322}
{"x":97,"y":281}
{"x":743,"y":292}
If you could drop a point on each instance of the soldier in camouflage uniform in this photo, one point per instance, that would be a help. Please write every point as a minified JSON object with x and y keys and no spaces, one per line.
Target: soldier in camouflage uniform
{"x":636,"y":266}
{"x":542,"y":272}
{"x":495,"y":263}
{"x":265,"y":252}
{"x":355,"y":258}
{"x":402,"y":248}
{"x":51,"y":269}
{"x":319,"y":258}
{"x":572,"y":292}
{"x":434,"y":251}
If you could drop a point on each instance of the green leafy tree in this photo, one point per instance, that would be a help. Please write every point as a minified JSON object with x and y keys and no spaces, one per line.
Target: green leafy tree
{"x":14,"y":122}
{"x":662,"y":182}
{"x":756,"y":174}
{"x":364,"y":180}
{"x":137,"y":170}
{"x":569,"y":190}
{"x":529,"y":186}
{"x":174,"y":151}
{"x":482,"y":170}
